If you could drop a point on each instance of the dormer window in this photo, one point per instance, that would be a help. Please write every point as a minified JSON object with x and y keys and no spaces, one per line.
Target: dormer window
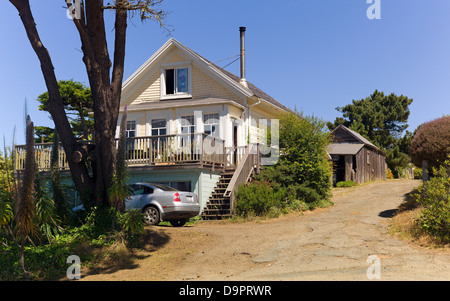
{"x":176,"y":82}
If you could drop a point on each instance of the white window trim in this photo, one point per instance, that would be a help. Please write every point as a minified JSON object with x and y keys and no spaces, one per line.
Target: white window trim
{"x":182,"y":65}
{"x":165,"y":127}
{"x":180,"y":122}
{"x":136,"y":125}
{"x":219,"y":123}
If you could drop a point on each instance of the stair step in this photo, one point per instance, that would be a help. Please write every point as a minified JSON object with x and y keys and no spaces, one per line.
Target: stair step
{"x":218,"y":206}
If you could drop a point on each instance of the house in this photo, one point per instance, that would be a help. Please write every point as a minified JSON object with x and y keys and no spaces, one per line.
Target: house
{"x":355,"y":158}
{"x":193,"y":125}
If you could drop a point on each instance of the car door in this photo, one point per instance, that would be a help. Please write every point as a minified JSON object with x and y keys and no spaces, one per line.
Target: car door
{"x":140,"y":196}
{"x":133,"y":201}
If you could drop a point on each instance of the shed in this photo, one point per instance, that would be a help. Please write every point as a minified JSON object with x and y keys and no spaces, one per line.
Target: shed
{"x":355,"y":158}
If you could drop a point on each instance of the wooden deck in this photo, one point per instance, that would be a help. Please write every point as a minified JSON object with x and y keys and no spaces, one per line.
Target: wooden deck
{"x":152,"y":152}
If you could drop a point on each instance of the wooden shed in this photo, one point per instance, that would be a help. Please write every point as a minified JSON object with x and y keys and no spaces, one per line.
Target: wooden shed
{"x":355,"y":158}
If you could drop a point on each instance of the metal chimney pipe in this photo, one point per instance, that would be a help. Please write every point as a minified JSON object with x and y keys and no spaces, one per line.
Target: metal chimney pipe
{"x":243,"y":81}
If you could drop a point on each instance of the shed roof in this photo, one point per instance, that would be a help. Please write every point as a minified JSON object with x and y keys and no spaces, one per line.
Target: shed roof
{"x":344,"y":148}
{"x":358,"y":136}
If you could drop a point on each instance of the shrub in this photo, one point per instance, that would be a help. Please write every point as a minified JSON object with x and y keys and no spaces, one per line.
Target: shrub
{"x":133,"y":225}
{"x":434,"y":196}
{"x":257,"y":199}
{"x":300,"y":180}
{"x":417,"y":173}
{"x":346,"y":184}
{"x":431,"y":142}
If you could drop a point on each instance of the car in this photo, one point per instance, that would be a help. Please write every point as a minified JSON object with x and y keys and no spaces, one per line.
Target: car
{"x":161,"y":203}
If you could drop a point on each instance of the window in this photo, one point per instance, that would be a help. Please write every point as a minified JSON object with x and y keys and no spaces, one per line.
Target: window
{"x":187,"y":124}
{"x":177,"y":81}
{"x":159,"y":127}
{"x":130,"y":132}
{"x":181,"y":186}
{"x":131,"y":129}
{"x":211,"y":124}
{"x":141,"y":189}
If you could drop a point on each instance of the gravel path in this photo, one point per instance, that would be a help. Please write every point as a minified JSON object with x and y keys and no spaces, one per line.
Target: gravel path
{"x":332,"y":244}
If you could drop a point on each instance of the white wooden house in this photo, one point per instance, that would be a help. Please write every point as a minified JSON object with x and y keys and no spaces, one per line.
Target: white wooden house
{"x":190,"y":123}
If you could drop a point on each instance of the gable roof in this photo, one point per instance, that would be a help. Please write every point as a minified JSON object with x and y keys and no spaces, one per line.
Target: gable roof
{"x":344,"y":148}
{"x":357,"y":136}
{"x":225,"y":77}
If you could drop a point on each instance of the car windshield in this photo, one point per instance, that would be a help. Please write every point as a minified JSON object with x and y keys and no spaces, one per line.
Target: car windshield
{"x":164,"y":187}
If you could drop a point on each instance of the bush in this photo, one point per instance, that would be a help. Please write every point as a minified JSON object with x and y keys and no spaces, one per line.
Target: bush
{"x":258,"y":198}
{"x":417,"y":173}
{"x":300,"y":180}
{"x":346,"y":184}
{"x":389,"y":174}
{"x":434,"y":196}
{"x":431,"y":142}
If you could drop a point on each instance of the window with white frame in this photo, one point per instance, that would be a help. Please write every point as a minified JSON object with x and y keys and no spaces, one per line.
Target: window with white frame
{"x":131,"y":129}
{"x":159,"y":127}
{"x":176,"y":82}
{"x":187,"y":124}
{"x":211,"y":124}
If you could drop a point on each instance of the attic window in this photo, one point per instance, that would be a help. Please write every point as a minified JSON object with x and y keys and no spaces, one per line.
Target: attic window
{"x":176,"y":82}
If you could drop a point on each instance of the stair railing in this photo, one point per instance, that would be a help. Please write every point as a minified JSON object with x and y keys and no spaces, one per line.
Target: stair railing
{"x":248,"y":165}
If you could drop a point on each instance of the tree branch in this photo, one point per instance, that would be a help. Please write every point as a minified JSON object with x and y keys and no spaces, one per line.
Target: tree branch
{"x":119,"y":49}
{"x":55,"y":104}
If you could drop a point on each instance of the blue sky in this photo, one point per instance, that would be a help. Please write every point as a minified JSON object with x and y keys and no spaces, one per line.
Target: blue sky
{"x":312,"y":55}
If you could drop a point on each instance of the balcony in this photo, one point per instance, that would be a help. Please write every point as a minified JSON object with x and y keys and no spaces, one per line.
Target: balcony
{"x":153,"y":152}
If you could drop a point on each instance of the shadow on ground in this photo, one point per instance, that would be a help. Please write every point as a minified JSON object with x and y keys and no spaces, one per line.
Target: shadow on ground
{"x":122,"y":258}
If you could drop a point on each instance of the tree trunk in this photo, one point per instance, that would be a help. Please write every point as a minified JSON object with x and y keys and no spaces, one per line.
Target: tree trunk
{"x":106,"y":87}
{"x":78,"y":170}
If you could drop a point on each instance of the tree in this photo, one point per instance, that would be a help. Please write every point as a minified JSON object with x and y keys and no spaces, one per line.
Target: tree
{"x":78,"y":103}
{"x":382,"y":119}
{"x":431,"y":142}
{"x":105,"y":80}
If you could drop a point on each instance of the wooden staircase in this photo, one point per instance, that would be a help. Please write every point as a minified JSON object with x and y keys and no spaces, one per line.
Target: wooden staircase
{"x":222,"y":201}
{"x":219,"y":206}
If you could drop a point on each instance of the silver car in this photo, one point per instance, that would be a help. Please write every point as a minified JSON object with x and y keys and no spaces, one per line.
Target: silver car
{"x":163,"y":203}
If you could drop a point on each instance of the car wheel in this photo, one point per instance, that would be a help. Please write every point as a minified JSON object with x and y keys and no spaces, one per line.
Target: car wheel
{"x":151,"y":216}
{"x":178,"y":222}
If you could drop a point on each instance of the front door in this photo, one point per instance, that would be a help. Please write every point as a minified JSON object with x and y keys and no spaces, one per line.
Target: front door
{"x":234,"y":125}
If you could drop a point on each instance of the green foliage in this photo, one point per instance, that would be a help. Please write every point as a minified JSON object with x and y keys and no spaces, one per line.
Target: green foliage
{"x":258,"y":198}
{"x":346,"y":184}
{"x":58,"y":194}
{"x":119,"y":190}
{"x":47,"y":219}
{"x":431,"y":142}
{"x":6,"y":213}
{"x":99,"y":220}
{"x":434,"y":196}
{"x":78,"y":103}
{"x":418,"y":173}
{"x":378,"y":117}
{"x":300,"y":180}
{"x":304,"y":160}
{"x":132,"y":223}
{"x":382,"y":119}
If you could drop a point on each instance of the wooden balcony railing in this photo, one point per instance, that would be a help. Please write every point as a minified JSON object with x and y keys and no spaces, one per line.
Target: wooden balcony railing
{"x":152,"y":150}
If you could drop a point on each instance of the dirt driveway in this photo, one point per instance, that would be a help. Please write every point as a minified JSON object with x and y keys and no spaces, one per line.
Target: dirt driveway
{"x":327,"y":244}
